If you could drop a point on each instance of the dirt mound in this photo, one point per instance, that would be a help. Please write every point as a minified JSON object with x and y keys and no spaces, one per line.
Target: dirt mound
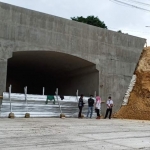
{"x":138,"y":106}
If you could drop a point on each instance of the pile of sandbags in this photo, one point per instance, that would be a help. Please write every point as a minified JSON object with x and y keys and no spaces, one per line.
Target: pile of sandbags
{"x":130,"y":88}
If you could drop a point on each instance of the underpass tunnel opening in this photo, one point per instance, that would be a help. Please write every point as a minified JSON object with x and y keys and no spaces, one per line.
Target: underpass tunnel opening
{"x":38,"y":69}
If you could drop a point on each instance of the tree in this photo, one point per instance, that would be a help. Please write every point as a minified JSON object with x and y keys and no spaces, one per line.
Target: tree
{"x":91,"y":20}
{"x":119,"y":31}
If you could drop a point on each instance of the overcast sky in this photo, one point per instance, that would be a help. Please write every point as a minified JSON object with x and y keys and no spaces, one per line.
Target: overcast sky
{"x":117,"y":17}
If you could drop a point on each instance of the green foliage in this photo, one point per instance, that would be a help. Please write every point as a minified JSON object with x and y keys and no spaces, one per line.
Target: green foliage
{"x":119,"y":31}
{"x":91,"y":20}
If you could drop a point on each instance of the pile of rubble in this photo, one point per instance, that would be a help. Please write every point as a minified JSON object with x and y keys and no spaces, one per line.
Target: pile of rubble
{"x":138,"y":106}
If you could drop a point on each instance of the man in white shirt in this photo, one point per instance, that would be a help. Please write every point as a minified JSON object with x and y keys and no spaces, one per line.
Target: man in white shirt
{"x":109,"y":107}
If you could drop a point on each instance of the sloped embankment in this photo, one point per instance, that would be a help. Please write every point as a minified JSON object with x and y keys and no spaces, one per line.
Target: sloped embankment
{"x":138,"y":106}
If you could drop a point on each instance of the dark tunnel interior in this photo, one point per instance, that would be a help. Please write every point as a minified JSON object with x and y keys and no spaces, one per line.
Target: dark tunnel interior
{"x":38,"y":69}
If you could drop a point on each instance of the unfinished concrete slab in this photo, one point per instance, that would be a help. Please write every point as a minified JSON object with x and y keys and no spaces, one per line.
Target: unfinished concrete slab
{"x":73,"y":134}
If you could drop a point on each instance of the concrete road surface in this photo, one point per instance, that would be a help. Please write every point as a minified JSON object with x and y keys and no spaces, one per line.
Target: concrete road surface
{"x":73,"y":134}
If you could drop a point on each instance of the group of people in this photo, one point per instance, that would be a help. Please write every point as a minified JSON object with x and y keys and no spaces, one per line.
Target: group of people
{"x":96,"y":105}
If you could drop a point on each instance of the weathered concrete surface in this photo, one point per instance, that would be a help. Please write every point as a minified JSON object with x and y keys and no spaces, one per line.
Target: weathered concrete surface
{"x":114,"y":54}
{"x":3,"y":75}
{"x":73,"y":134}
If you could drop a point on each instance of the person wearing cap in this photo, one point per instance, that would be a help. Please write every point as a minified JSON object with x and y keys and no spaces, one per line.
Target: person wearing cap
{"x":90,"y":106}
{"x":109,"y":107}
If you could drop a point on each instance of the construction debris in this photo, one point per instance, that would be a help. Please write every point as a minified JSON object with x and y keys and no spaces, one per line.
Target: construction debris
{"x":138,"y":106}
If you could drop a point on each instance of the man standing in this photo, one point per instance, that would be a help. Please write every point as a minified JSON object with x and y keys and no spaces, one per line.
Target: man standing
{"x":80,"y":105}
{"x":90,"y":106}
{"x":109,"y":107}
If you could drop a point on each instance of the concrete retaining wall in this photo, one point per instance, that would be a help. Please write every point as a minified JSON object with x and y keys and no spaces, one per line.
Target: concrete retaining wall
{"x":115,"y":54}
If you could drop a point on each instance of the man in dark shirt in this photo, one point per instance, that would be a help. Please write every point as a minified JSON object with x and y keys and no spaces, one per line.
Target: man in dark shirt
{"x":80,"y":105}
{"x":90,"y":106}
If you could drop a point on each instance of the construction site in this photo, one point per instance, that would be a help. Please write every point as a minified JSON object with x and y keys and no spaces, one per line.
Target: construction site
{"x":42,"y":54}
{"x":47,"y":62}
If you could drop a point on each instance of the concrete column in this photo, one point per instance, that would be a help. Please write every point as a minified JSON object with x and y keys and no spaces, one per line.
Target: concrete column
{"x":3,"y":75}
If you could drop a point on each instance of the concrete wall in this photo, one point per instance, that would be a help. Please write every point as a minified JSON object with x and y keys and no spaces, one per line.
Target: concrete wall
{"x":86,"y":82}
{"x":114,"y":54}
{"x":3,"y":74}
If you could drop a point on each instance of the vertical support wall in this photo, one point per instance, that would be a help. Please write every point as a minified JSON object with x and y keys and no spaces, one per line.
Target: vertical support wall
{"x":3,"y":75}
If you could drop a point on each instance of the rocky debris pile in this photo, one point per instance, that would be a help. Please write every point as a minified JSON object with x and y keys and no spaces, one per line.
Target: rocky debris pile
{"x":138,"y":106}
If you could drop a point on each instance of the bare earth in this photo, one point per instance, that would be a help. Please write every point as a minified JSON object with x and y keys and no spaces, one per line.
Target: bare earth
{"x":73,"y":134}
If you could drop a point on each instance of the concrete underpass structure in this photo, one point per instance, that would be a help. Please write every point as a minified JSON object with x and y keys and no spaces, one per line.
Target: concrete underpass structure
{"x":51,"y":69}
{"x":40,"y":50}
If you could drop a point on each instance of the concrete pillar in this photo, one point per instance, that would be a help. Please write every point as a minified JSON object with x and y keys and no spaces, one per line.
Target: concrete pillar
{"x":3,"y":75}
